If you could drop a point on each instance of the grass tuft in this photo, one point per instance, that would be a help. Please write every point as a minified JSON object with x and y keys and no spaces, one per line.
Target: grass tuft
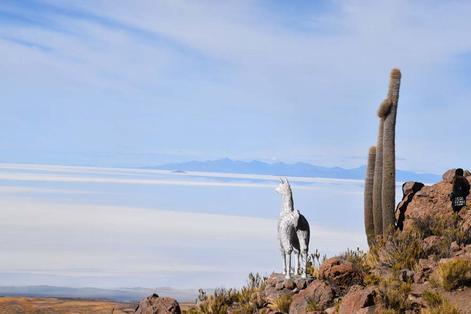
{"x":437,"y":304}
{"x":452,"y":274}
{"x":281,"y":304}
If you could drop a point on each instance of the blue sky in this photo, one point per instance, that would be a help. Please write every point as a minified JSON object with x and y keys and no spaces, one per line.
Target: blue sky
{"x":142,"y":82}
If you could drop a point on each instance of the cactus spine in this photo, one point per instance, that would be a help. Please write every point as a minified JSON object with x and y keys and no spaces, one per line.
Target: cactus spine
{"x":389,"y":153}
{"x":368,"y":214}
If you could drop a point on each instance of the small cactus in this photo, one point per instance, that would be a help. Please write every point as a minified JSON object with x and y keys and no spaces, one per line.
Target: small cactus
{"x":368,"y":214}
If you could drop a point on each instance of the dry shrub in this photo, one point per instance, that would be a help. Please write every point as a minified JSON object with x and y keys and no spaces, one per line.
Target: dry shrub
{"x":452,"y":274}
{"x":394,"y":294}
{"x":356,"y":257}
{"x":281,"y":304}
{"x":446,"y":227}
{"x":312,"y":305}
{"x":437,"y":304}
{"x":314,"y":261}
{"x":401,"y":250}
{"x":243,"y":301}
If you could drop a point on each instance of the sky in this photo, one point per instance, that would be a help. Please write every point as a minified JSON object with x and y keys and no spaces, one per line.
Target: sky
{"x":146,"y":82}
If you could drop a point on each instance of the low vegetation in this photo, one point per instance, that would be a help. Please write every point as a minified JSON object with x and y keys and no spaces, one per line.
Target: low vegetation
{"x":452,"y":274}
{"x":247,"y":299}
{"x":394,"y":294}
{"x":437,"y":304}
{"x":390,"y":266}
{"x":281,"y":304}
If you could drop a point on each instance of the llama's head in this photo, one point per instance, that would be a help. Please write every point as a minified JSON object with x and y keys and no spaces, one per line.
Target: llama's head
{"x":283,"y":187}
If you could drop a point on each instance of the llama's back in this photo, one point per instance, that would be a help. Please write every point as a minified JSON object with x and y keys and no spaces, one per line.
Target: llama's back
{"x":303,"y":232}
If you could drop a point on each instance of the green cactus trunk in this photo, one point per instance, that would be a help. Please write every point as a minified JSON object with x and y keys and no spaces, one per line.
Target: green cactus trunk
{"x":377,"y":183}
{"x":368,"y":209}
{"x":389,"y":153}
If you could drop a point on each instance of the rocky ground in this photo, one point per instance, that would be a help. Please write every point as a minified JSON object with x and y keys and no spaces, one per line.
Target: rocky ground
{"x":425,"y":268}
{"x":20,"y":305}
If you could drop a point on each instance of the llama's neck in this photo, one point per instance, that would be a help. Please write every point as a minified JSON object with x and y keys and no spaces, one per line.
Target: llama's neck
{"x":287,"y":204}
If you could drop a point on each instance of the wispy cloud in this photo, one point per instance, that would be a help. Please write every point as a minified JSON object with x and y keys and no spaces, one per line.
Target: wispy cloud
{"x":155,"y":74}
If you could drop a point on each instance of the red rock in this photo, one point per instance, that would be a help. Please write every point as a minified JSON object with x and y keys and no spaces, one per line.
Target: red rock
{"x":432,"y":244}
{"x":156,"y":305}
{"x":318,"y":292}
{"x":289,"y":284}
{"x":424,"y":269}
{"x":367,"y":310}
{"x":340,"y":273}
{"x":450,"y":174}
{"x":358,"y":297}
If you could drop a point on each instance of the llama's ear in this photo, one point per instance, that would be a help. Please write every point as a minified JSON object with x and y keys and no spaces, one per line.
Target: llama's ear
{"x":281,"y":180}
{"x":286,"y":180}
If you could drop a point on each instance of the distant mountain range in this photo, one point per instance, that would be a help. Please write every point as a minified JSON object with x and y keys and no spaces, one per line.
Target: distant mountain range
{"x":121,"y":295}
{"x":299,"y":169}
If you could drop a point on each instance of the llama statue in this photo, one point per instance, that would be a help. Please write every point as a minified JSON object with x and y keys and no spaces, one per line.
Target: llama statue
{"x":293,"y":232}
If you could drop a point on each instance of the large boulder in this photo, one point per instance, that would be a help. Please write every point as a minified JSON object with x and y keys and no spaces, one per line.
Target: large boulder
{"x":430,"y":201}
{"x":450,"y":174}
{"x":156,"y":305}
{"x":357,"y":298}
{"x":316,"y":297}
{"x":340,"y":274}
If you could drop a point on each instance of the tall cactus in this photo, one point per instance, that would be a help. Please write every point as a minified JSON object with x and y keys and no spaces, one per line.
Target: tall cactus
{"x":368,"y":214}
{"x":389,"y":152}
{"x":378,"y":172}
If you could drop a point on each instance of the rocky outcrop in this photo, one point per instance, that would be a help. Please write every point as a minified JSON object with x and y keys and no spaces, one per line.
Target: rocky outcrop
{"x":433,"y":201}
{"x":277,"y":285}
{"x":450,"y":174}
{"x":317,"y":296}
{"x":357,"y":298}
{"x":340,"y":274}
{"x":157,"y":305}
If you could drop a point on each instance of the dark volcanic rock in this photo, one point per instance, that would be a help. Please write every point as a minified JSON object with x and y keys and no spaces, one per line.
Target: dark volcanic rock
{"x":156,"y":305}
{"x":409,"y":189}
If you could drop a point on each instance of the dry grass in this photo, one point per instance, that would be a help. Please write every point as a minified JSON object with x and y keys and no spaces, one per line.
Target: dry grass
{"x":437,"y":304}
{"x":394,"y":294}
{"x":402,"y":250}
{"x":281,"y":304}
{"x":452,"y":274}
{"x":246,"y":300}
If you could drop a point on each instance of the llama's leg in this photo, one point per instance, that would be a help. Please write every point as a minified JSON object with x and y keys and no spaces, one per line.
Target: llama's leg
{"x":283,"y":257}
{"x":288,"y":265}
{"x":296,"y":266}
{"x":304,"y":257}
